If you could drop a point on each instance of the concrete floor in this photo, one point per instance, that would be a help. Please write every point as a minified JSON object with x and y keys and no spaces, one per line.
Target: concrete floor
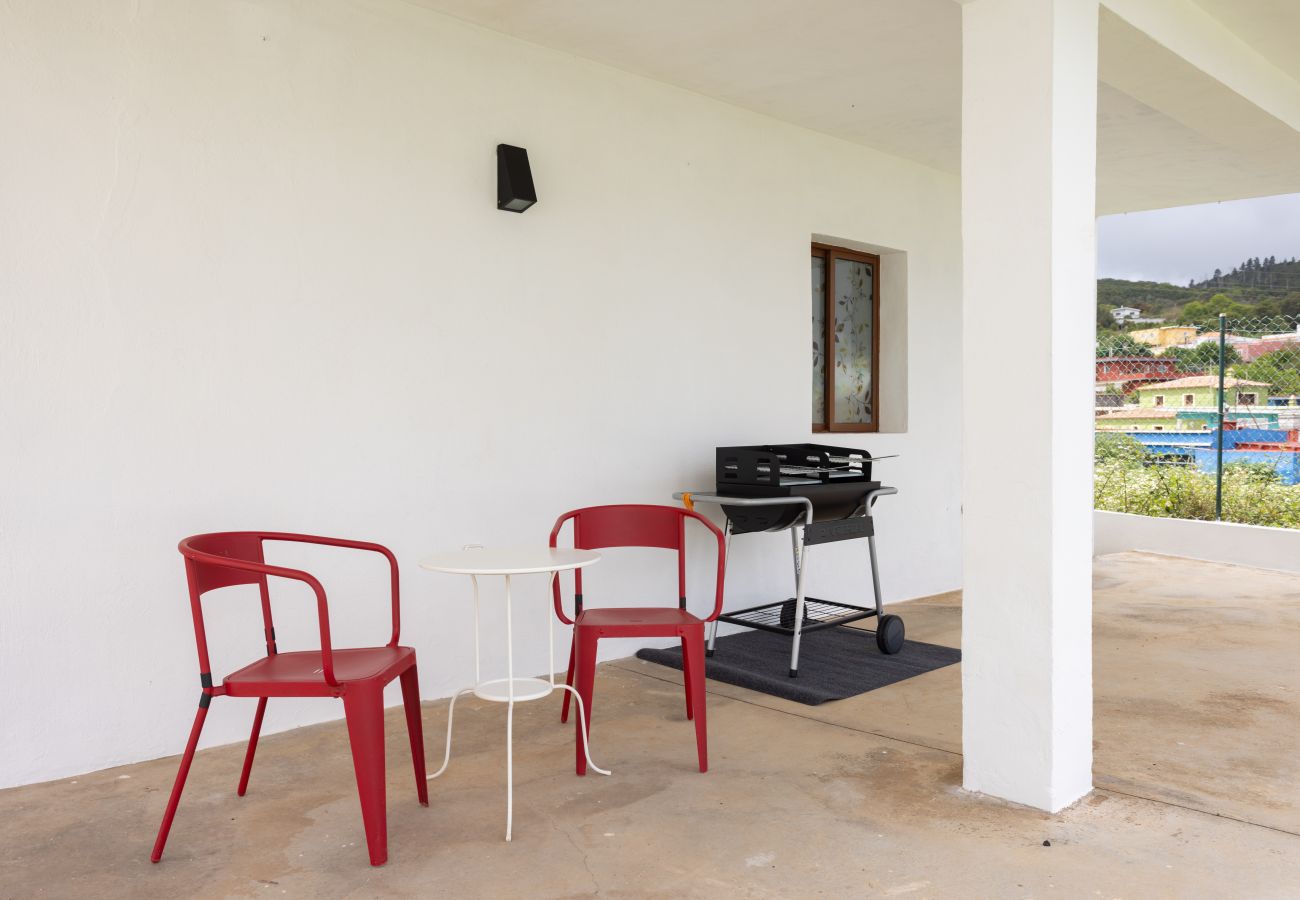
{"x":1197,"y":742}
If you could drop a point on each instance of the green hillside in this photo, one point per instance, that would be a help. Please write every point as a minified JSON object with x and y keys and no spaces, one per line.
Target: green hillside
{"x":1255,"y":289}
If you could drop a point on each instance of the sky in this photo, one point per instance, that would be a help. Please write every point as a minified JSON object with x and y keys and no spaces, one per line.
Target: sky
{"x":1186,"y":242}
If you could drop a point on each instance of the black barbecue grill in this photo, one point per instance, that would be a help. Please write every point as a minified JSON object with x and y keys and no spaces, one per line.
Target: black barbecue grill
{"x":821,"y":494}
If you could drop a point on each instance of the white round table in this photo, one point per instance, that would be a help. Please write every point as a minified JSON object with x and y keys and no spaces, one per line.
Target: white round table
{"x":474,"y":561}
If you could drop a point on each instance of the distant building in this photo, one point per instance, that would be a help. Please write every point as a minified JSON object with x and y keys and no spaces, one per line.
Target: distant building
{"x":1135,"y":368}
{"x":1269,"y":344}
{"x":1143,"y":419}
{"x":1286,"y":335}
{"x":1202,"y":391}
{"x":1241,"y":417}
{"x":1232,"y":340}
{"x":1166,"y":336}
{"x":1279,"y":449}
{"x":1131,"y":315}
{"x":1132,"y":418}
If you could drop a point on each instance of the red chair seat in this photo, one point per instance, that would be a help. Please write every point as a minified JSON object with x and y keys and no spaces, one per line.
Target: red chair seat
{"x":638,"y":617}
{"x":293,"y":674}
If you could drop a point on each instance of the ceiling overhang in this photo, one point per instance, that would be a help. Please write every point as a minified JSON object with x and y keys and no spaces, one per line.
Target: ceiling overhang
{"x":887,"y":74}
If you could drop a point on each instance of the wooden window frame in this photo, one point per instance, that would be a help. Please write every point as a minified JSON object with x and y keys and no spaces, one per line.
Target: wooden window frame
{"x":828,"y":254}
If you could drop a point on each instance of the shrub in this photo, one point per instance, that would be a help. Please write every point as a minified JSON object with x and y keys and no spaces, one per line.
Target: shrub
{"x":1252,"y":492}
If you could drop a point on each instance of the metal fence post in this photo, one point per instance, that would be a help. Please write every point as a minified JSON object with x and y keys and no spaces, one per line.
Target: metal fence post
{"x":1218,"y":454}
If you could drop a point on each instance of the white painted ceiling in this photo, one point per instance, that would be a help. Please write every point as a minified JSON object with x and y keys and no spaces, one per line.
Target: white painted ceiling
{"x":1272,"y":27}
{"x":887,"y":74}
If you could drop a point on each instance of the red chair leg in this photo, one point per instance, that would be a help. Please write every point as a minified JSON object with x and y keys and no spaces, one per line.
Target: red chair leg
{"x":585,"y":672}
{"x":252,"y":746}
{"x":686,"y":678}
{"x":186,"y":758}
{"x":415,"y":730}
{"x":693,"y":648}
{"x":568,"y":679}
{"x":364,"y":709}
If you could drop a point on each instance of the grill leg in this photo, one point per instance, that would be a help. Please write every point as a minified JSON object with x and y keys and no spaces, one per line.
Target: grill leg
{"x":875,"y":576}
{"x":726,"y":553}
{"x":800,"y":569}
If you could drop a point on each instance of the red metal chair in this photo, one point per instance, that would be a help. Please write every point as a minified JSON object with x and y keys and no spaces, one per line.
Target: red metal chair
{"x":358,"y":676}
{"x":632,"y":525}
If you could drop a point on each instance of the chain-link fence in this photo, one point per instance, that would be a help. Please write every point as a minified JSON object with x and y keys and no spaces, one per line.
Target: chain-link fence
{"x":1201,"y":421}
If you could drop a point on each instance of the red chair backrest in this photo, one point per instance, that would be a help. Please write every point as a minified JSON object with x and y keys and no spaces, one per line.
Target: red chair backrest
{"x":226,"y":558}
{"x":206,"y":573}
{"x":635,"y":525}
{"x":208,"y":576}
{"x":629,"y":525}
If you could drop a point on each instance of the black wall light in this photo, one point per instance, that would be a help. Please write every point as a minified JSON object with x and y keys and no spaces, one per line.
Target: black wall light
{"x":515,"y":191}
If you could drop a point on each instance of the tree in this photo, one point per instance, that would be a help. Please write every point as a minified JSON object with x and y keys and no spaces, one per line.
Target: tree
{"x":1206,"y":312}
{"x":1120,"y":345}
{"x":1104,"y":318}
{"x":1203,"y":358}
{"x":1280,"y":369}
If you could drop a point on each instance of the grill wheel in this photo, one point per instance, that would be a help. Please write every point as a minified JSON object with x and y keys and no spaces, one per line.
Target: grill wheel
{"x":890,"y":634}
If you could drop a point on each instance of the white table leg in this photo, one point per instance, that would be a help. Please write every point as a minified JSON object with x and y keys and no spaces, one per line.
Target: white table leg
{"x":477,"y":676}
{"x":510,"y":715}
{"x":451,"y":714}
{"x":510,"y":768}
{"x":550,"y":628}
{"x":510,"y":701}
{"x":586,"y":744}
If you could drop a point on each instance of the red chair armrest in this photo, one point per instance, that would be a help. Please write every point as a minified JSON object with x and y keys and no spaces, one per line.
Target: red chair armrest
{"x":322,"y":605}
{"x":722,"y":561}
{"x":555,"y":582}
{"x":394,"y":589}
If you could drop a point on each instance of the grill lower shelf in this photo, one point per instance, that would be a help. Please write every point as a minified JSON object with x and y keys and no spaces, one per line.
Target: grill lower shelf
{"x":778,"y":617}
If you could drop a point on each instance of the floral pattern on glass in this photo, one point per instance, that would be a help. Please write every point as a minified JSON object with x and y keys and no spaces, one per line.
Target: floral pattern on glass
{"x":818,"y":339}
{"x":853,"y":342}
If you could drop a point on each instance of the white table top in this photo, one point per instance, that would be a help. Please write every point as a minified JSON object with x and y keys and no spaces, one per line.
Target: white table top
{"x":508,"y":560}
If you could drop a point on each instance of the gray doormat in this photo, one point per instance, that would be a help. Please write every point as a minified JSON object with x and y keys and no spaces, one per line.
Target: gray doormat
{"x":834,"y":663}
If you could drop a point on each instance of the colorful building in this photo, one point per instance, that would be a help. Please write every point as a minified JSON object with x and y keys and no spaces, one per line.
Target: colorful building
{"x":1244,"y":417}
{"x":1131,"y":368}
{"x":1202,"y":391}
{"x":1166,"y":336}
{"x":1132,"y":418}
{"x":1277,"y":449}
{"x":1266,"y":345}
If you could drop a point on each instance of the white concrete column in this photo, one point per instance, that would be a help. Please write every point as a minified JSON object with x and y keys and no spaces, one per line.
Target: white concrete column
{"x":1029,"y":133}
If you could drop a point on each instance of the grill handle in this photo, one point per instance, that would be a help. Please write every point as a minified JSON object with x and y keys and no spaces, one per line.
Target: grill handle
{"x":870,"y":499}
{"x":690,"y":498}
{"x":693,"y":497}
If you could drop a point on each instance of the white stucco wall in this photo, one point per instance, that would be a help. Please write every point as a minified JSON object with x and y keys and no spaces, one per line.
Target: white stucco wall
{"x":1225,"y":542}
{"x":253,"y":276}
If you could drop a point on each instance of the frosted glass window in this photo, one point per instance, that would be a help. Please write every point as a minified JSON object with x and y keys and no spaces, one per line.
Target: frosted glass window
{"x":845,"y":339}
{"x":853,"y":337}
{"x":819,"y":339}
